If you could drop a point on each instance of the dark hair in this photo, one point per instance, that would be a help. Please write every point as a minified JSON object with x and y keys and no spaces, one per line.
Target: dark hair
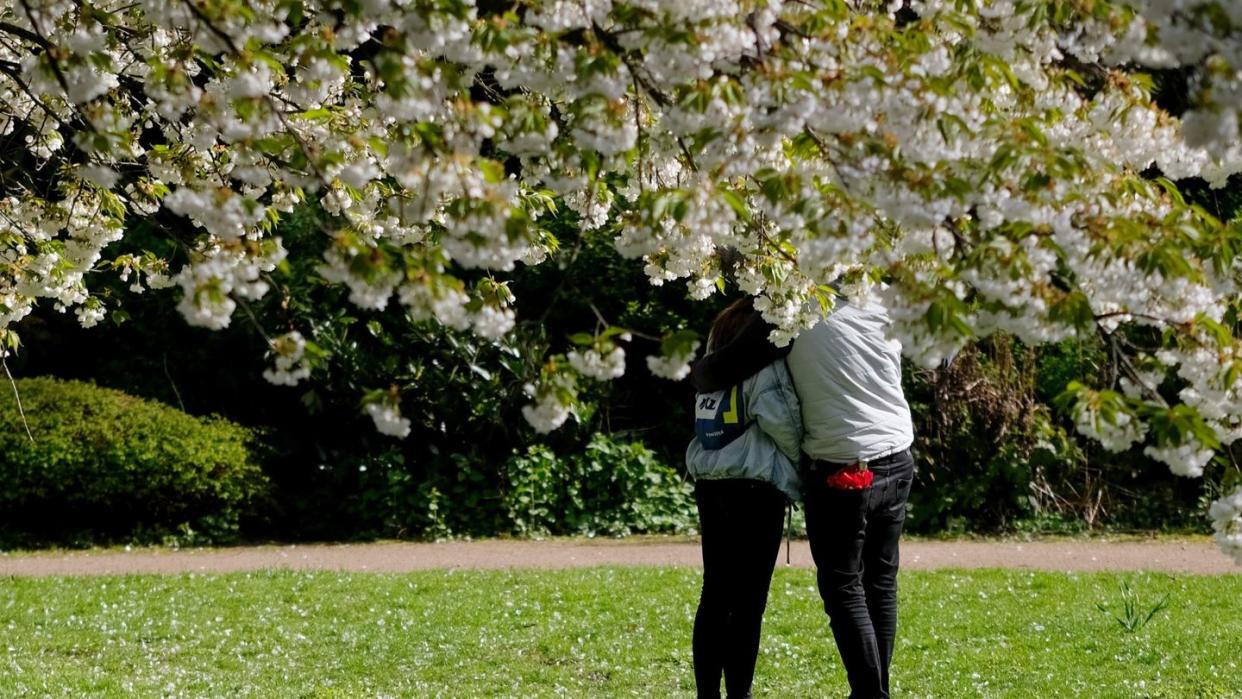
{"x":729,"y":322}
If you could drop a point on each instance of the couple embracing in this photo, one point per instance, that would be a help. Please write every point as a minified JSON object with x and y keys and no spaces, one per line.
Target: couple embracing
{"x":824,"y":422}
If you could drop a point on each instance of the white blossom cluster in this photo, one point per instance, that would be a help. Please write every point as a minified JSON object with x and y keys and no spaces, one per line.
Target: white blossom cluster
{"x":1203,"y":33}
{"x":987,"y":163}
{"x":1115,"y":432}
{"x":1208,"y":389}
{"x":546,"y":414}
{"x":1186,"y":459}
{"x":591,"y":363}
{"x":289,"y":360}
{"x":674,"y":367}
{"x":552,"y":401}
{"x":1226,"y":515}
{"x":387,"y":418}
{"x":222,"y":273}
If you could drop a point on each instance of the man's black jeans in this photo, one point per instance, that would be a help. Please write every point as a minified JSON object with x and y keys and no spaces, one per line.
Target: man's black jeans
{"x":854,"y":537}
{"x":740,"y":522}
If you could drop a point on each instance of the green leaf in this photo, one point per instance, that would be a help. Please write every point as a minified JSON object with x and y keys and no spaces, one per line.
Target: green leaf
{"x":735,"y":202}
{"x":678,"y":342}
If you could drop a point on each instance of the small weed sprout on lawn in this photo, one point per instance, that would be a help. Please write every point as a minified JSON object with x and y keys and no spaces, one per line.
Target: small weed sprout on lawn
{"x":1131,"y":618}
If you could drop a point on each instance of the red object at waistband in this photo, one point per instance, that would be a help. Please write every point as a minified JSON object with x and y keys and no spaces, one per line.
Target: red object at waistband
{"x":852,"y":477}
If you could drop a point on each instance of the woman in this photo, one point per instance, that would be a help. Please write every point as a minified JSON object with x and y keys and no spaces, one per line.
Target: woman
{"x":744,"y":461}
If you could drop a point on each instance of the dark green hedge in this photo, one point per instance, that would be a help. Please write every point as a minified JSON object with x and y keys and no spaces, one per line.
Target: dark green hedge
{"x":101,"y":465}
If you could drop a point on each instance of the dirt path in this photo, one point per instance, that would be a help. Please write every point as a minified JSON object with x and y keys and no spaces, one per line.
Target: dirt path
{"x":1199,"y":557}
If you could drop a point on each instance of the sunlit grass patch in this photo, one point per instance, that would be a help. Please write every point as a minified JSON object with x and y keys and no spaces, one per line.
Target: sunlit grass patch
{"x":595,"y":632}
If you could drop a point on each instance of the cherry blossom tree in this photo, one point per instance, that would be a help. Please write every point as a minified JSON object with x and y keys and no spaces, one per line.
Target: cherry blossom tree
{"x":974,"y":165}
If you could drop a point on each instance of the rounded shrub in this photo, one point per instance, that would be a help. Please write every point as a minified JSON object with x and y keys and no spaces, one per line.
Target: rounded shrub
{"x":91,"y":464}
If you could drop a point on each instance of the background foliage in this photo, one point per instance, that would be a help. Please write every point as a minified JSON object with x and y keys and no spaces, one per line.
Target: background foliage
{"x":995,"y":452}
{"x":98,"y":464}
{"x":472,"y":464}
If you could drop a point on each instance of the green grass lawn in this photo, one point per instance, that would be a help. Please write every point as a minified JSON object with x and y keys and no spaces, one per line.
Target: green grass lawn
{"x":593,"y":633}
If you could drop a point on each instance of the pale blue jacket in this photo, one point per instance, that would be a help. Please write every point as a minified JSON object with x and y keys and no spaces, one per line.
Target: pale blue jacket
{"x":770,"y":449}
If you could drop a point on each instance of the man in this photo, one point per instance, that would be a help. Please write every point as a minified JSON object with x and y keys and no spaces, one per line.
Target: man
{"x":848,"y":378}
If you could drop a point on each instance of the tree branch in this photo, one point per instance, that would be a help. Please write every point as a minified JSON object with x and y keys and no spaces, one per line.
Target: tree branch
{"x":21,"y":413}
